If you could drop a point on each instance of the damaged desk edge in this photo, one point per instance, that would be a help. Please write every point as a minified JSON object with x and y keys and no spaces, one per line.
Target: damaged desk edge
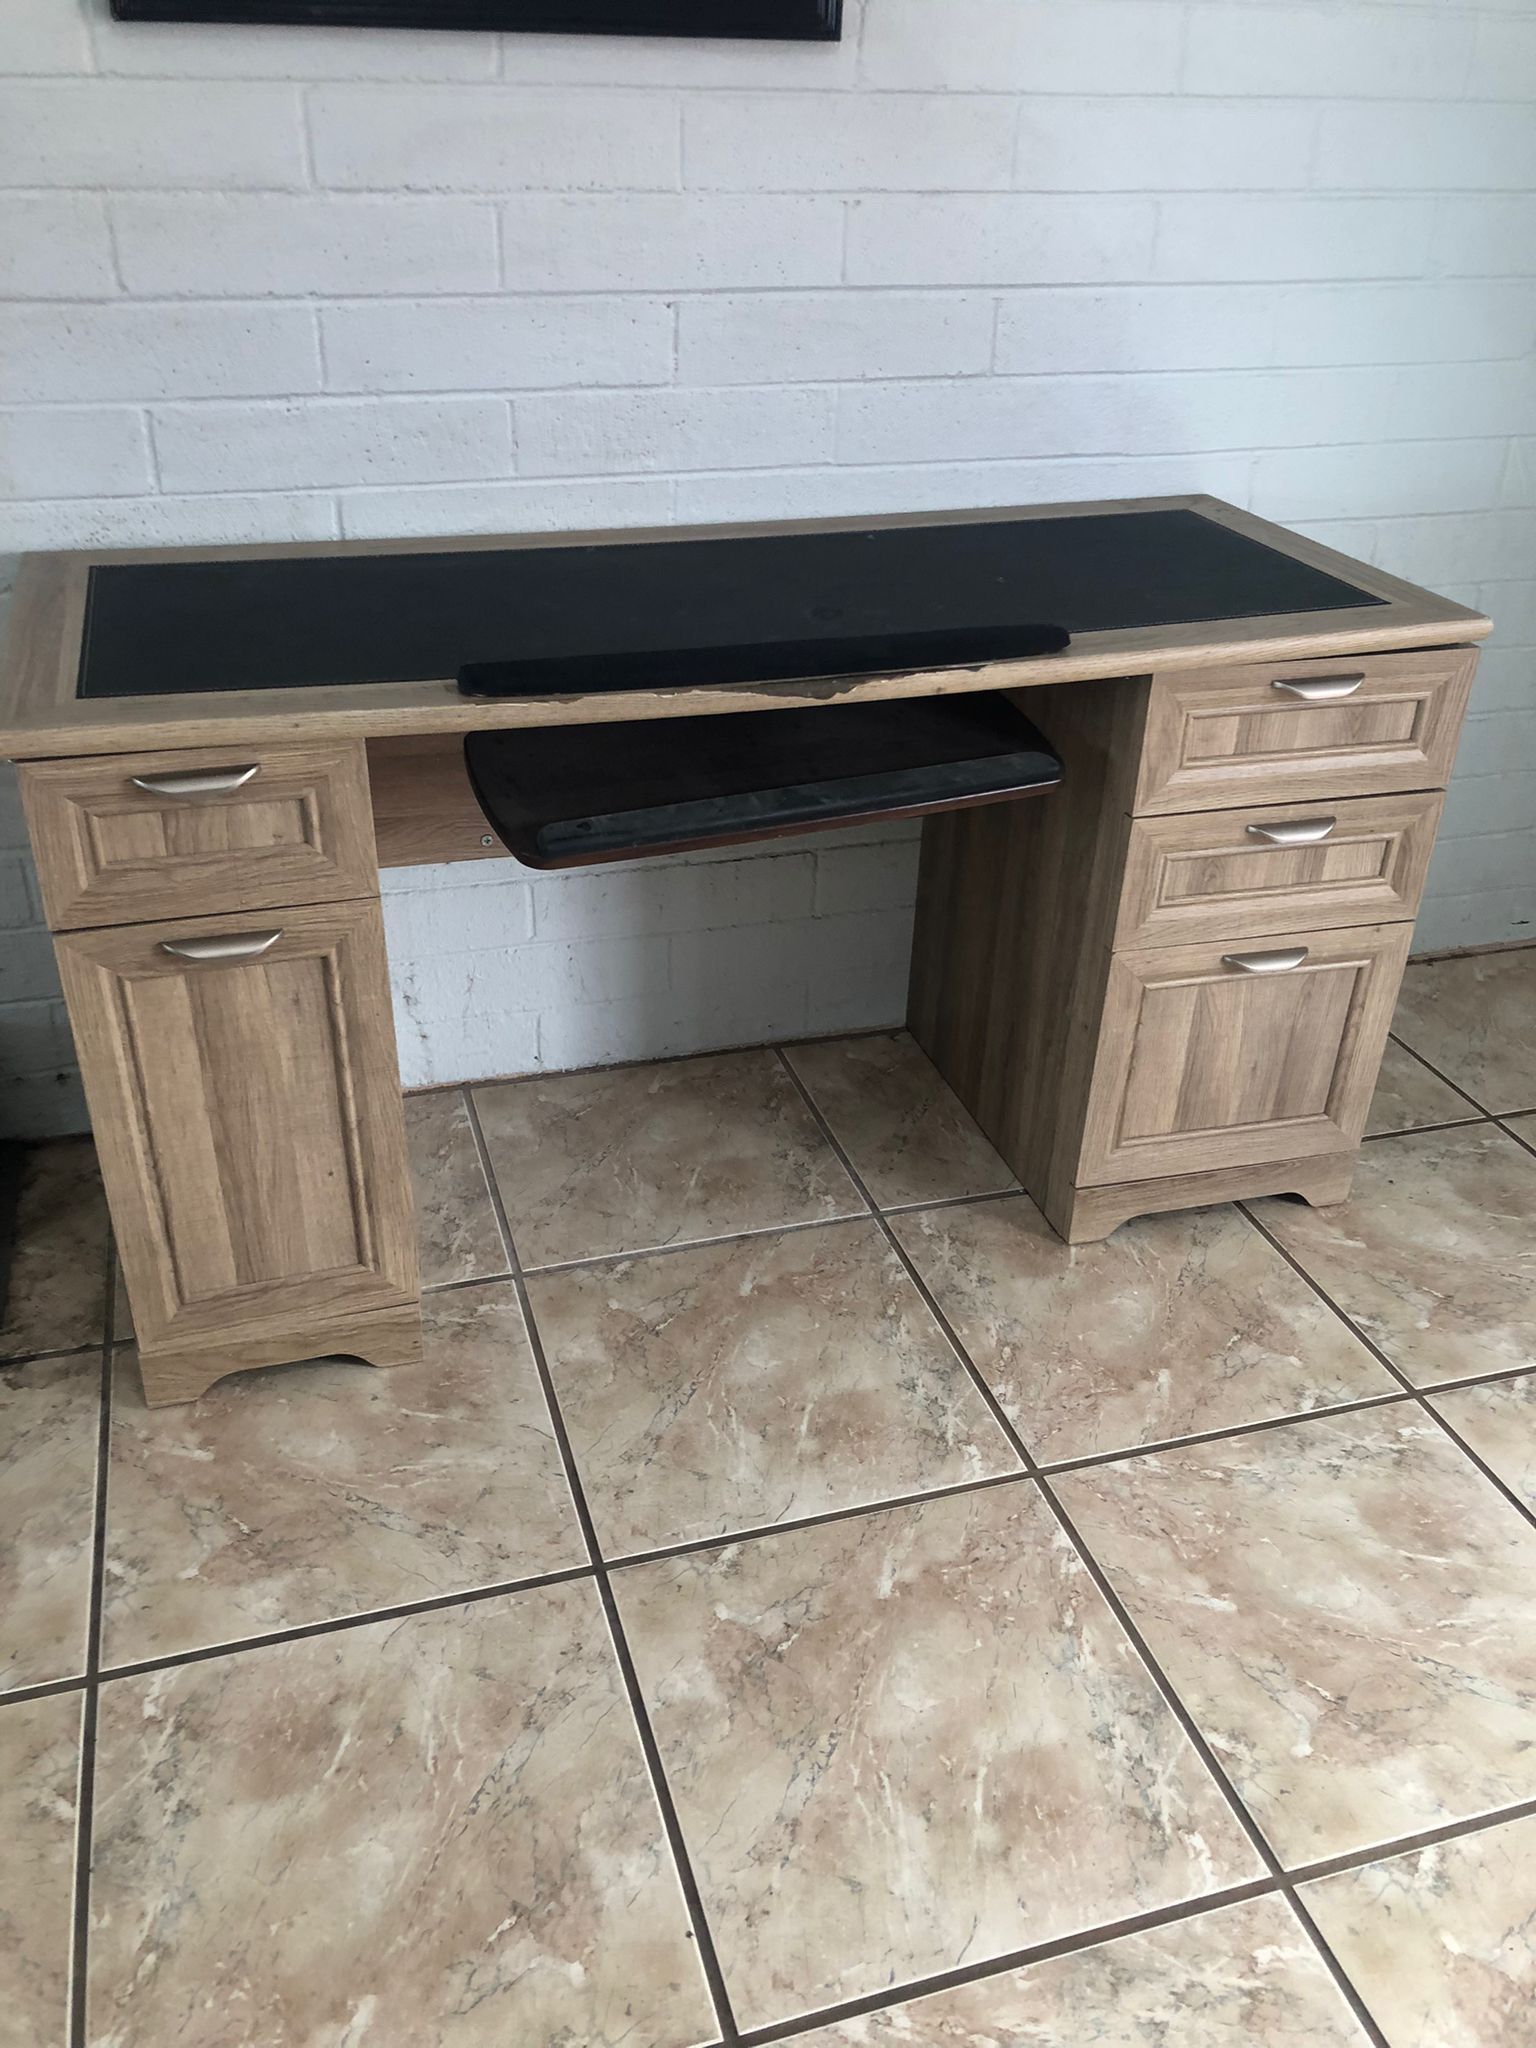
{"x":1242,"y":831}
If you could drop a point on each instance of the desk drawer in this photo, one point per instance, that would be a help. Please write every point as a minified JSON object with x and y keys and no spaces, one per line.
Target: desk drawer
{"x":1276,"y":868}
{"x":1352,"y":726}
{"x":1232,"y":1055}
{"x":123,"y":838}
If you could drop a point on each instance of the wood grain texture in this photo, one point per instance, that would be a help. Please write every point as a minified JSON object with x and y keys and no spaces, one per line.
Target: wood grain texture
{"x":1201,"y":1064}
{"x":1205,"y":875}
{"x":1232,"y":737}
{"x":248,"y":1118}
{"x":383,"y":1337}
{"x":1092,"y":1214}
{"x":300,"y":831}
{"x":424,"y":810}
{"x":1015,"y":912}
{"x":40,"y":716}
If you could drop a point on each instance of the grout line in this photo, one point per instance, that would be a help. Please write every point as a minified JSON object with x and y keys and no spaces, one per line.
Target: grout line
{"x":1441,"y":1076}
{"x":85,"y":1813}
{"x":43,"y":1689}
{"x":1454,"y":1123}
{"x":435,"y":1603}
{"x":1409,"y":1845}
{"x":694,"y":1546}
{"x":1345,"y":1986}
{"x":1519,"y":1137}
{"x":1419,"y":1395}
{"x":1013,"y":1194}
{"x":1117,"y":1607}
{"x":47,"y":1357}
{"x":1186,"y":1720}
{"x":1013,"y":1959}
{"x":689,"y":1244}
{"x":693,"y":1899}
{"x":994,"y":1406}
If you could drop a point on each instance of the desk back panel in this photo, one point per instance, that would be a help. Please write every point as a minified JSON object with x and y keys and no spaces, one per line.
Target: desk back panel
{"x":174,"y":628}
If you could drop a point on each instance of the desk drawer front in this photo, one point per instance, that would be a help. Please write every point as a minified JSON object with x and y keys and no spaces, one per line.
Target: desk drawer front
{"x":1358,"y":860}
{"x":1348,"y":727}
{"x":246,"y":1104}
{"x":1230,"y":1055}
{"x":124,"y":838}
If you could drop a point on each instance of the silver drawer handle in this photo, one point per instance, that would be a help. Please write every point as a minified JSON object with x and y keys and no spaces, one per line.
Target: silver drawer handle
{"x":1295,"y":832}
{"x":1318,"y":689}
{"x":233,"y":946}
{"x":196,"y":781}
{"x":1266,"y":963}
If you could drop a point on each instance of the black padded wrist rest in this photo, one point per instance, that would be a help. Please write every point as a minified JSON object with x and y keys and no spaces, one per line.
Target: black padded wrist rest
{"x":773,"y":661}
{"x":567,"y":796}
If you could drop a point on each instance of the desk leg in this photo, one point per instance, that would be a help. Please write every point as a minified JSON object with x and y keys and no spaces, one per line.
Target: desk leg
{"x":386,"y":1337}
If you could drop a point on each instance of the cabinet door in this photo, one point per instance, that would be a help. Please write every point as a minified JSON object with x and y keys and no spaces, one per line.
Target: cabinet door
{"x":243,"y":1087}
{"x":1231,"y":1055}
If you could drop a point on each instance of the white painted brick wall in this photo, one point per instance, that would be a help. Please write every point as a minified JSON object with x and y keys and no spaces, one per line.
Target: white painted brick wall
{"x":271,"y":283}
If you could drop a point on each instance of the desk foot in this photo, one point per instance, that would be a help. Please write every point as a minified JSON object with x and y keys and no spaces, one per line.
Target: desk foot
{"x":1090,"y":1214}
{"x":385,"y":1337}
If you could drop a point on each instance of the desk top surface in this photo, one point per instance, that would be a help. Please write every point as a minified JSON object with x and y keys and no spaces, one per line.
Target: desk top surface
{"x":186,"y":647}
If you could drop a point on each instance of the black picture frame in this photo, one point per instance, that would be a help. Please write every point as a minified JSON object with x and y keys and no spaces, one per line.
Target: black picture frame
{"x":759,"y":20}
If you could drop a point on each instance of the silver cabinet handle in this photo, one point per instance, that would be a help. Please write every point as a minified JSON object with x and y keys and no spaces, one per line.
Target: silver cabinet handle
{"x":1318,"y":689}
{"x":233,"y":946}
{"x":196,"y":781}
{"x":1295,"y":831}
{"x":1280,"y":962}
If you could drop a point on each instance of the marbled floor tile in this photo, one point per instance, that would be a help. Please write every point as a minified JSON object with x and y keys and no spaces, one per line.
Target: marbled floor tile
{"x":1441,"y":1943}
{"x":455,"y":1223}
{"x":436,"y":1832}
{"x":1499,"y":1422}
{"x":628,"y":1158}
{"x":1409,"y":1096}
{"x":1175,"y":1325}
{"x":1243,"y":1977}
{"x":57,"y":1299}
{"x":50,"y":1421}
{"x":39,"y":1784}
{"x":1471,"y":1018}
{"x":1434,"y":1253}
{"x":308,"y":1492}
{"x":908,"y":1134}
{"x":1346,"y":1607}
{"x":911,"y":1741}
{"x":756,"y":1381}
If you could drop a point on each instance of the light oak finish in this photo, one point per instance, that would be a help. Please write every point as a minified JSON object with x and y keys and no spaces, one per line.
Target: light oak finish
{"x":1265,"y":870}
{"x":1204,"y":1064}
{"x":383,"y":1337}
{"x":1067,"y":970}
{"x":297,"y":827}
{"x":424,"y":810}
{"x":1240,"y":736}
{"x":41,"y":716}
{"x":1010,"y":952}
{"x":1091,"y":1214}
{"x":248,"y":1118}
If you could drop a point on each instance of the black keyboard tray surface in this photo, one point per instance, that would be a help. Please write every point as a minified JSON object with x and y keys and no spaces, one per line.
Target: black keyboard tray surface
{"x":576,"y":795}
{"x":594,"y":617}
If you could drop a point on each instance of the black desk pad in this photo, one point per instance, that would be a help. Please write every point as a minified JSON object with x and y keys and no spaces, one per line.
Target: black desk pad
{"x":167,"y":629}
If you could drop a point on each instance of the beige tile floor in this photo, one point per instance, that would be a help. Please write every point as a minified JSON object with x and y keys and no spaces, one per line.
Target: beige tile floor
{"x":798,"y":1598}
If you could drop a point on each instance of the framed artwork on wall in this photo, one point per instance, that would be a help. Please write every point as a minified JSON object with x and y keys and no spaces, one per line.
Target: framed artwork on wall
{"x":770,"y":20}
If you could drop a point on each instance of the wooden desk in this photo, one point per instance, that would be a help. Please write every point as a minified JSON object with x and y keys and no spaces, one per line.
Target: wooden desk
{"x":1167,"y":983}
